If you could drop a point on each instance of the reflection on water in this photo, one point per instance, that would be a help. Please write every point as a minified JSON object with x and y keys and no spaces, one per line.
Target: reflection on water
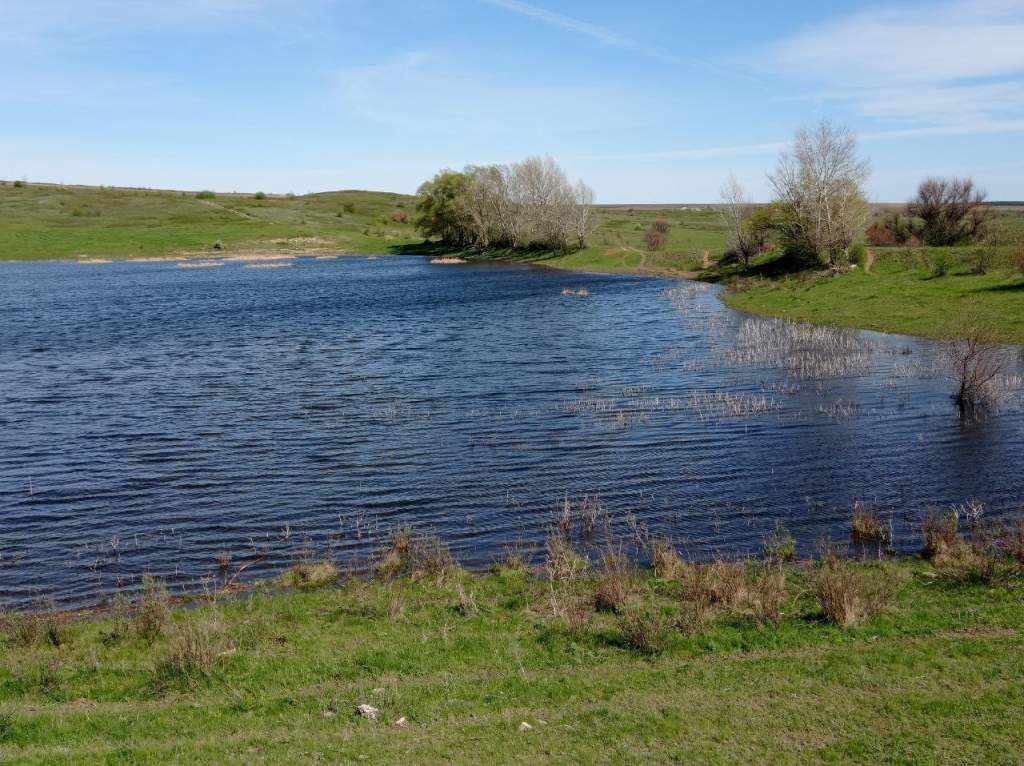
{"x":178,"y":421}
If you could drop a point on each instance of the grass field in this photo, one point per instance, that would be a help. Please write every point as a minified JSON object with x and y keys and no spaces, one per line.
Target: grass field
{"x":465,"y":660}
{"x":40,"y":222}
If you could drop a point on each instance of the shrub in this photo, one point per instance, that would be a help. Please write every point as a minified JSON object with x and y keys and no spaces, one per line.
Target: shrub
{"x":42,"y":626}
{"x":657,"y":235}
{"x":418,"y":556}
{"x":858,"y":253}
{"x":878,"y":235}
{"x":206,"y":194}
{"x":983,"y":262}
{"x":867,"y":526}
{"x":978,"y":363}
{"x":1012,"y":540}
{"x":644,"y":630}
{"x":847,"y":596}
{"x":954,"y":557}
{"x":349,"y":207}
{"x":939,"y":265}
{"x":400,"y":217}
{"x":260,"y":195}
{"x":6,"y":727}
{"x":154,"y":609}
{"x":19,"y":184}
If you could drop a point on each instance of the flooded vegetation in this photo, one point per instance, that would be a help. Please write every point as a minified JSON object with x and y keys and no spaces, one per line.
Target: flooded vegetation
{"x":226,"y":424}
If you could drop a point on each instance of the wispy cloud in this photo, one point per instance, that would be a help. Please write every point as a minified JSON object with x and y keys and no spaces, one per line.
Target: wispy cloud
{"x":745,"y":150}
{"x":608,"y":37}
{"x":948,"y":63}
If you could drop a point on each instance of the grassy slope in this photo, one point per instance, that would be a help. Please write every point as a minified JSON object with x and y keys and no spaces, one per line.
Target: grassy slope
{"x":898,"y":295}
{"x":936,"y":679}
{"x":53,"y":222}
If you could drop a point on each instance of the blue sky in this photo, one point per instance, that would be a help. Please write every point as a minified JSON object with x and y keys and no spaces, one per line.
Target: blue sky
{"x":654,"y":101}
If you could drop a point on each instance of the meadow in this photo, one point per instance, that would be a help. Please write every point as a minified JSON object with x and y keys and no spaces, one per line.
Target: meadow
{"x":836,"y":661}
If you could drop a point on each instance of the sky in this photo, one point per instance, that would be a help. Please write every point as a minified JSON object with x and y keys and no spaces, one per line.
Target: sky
{"x":651,"y":101}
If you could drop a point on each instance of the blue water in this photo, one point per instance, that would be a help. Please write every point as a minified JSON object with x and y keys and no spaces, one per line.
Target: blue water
{"x":155,"y":418}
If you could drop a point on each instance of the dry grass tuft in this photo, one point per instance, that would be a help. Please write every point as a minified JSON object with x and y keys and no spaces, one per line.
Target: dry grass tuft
{"x":416,"y":556}
{"x":645,"y":630}
{"x":191,"y":652}
{"x":665,"y":560}
{"x":154,"y":609}
{"x":467,"y":605}
{"x":867,"y":525}
{"x":779,"y":545}
{"x":615,"y":585}
{"x":848,"y":596}
{"x":37,"y":628}
{"x":562,"y":563}
{"x":310,"y":575}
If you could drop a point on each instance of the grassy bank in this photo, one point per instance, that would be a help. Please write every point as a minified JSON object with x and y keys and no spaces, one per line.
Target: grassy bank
{"x":722,"y":663}
{"x":902,"y":292}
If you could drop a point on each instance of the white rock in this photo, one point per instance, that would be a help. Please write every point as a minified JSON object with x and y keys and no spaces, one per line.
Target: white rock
{"x":402,"y":722}
{"x":524,"y":726}
{"x":368,"y":711}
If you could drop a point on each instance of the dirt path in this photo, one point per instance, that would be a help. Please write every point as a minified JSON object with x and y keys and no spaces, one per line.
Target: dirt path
{"x":239,"y":213}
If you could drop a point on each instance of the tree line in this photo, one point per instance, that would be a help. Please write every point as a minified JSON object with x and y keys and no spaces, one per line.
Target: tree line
{"x":529,"y":204}
{"x":821,"y":211}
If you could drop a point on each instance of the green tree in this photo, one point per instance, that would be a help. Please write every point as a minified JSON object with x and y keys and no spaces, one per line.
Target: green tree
{"x":443,"y":209}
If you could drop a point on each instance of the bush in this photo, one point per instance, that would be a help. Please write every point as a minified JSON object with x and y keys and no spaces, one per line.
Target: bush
{"x":19,"y":184}
{"x":349,"y":207}
{"x":939,"y":265}
{"x":563,"y":564}
{"x":260,"y":195}
{"x":858,"y":253}
{"x":206,"y":194}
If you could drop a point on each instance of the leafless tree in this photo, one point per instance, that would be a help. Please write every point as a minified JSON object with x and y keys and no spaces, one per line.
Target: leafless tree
{"x":736,"y":212}
{"x":583,"y":207}
{"x":979,"y":368}
{"x":820,"y":182}
{"x":950,"y":210}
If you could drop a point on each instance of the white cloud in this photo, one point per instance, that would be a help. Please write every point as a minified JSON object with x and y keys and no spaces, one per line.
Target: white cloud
{"x":953,"y":63}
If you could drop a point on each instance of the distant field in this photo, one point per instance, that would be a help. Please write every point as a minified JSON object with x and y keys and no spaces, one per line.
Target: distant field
{"x":41,"y":222}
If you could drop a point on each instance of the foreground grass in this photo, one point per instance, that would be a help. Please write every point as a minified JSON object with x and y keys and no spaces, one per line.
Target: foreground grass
{"x":900,"y":294}
{"x":933,"y":679}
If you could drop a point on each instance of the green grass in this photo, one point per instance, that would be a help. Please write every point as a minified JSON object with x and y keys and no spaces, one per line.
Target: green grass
{"x":934,"y":679}
{"x":46,"y":222}
{"x":900,"y":294}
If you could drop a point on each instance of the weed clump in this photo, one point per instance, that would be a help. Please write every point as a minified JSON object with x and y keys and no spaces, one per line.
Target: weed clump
{"x":615,"y":585}
{"x":154,"y":609}
{"x":416,"y":556}
{"x":779,"y":545}
{"x":190,"y":653}
{"x":310,"y":575}
{"x":867,"y":526}
{"x":848,"y":596}
{"x":645,"y":630}
{"x":665,"y":560}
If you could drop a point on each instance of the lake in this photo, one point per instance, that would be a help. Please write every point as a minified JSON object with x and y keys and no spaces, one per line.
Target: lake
{"x":187,"y":422}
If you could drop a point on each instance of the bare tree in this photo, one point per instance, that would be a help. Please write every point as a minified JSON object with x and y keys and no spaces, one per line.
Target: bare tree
{"x":581,"y":220}
{"x":736,"y":212}
{"x":979,"y":369}
{"x":820,"y":182}
{"x":951,"y":211}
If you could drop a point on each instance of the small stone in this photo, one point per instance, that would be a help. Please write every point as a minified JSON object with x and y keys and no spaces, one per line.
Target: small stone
{"x":329,"y":714}
{"x":524,"y":726}
{"x":218,"y":245}
{"x":402,"y":722}
{"x":368,"y":711}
